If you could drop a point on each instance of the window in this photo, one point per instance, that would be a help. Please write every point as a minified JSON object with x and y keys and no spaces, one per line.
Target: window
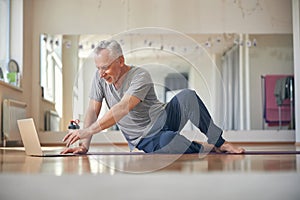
{"x":11,"y":41}
{"x":51,"y":68}
{"x":4,"y":37}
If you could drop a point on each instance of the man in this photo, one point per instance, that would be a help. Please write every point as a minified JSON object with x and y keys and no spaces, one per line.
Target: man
{"x":146,"y":123}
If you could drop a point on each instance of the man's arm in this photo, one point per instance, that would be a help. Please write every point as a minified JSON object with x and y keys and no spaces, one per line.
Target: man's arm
{"x":91,"y":116}
{"x":117,"y":112}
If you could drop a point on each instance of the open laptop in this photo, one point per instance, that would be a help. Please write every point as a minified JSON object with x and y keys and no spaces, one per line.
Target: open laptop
{"x":31,"y":140}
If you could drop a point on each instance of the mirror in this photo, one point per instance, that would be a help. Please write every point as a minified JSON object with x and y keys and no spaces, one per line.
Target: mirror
{"x":226,"y":70}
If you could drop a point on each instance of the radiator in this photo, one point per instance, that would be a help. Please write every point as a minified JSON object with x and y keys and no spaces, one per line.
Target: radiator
{"x":12,"y":111}
{"x":52,"y":121}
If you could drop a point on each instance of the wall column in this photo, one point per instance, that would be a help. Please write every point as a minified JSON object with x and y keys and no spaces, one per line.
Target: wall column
{"x":69,"y":71}
{"x":296,"y":39}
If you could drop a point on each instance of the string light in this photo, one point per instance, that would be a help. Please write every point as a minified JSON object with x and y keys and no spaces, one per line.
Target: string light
{"x":248,"y":43}
{"x":207,"y":44}
{"x":254,"y":42}
{"x":213,"y":43}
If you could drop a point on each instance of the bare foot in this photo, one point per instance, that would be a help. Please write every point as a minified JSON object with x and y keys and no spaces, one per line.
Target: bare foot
{"x":230,"y":148}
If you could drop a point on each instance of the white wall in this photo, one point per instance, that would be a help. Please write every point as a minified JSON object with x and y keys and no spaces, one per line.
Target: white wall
{"x":189,"y":16}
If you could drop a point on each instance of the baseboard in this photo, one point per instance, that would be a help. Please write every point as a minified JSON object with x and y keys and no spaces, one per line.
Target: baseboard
{"x":252,"y":136}
{"x":261,"y":136}
{"x":264,"y":143}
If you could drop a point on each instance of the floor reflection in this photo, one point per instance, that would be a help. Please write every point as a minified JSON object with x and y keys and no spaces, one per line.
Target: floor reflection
{"x":15,"y":161}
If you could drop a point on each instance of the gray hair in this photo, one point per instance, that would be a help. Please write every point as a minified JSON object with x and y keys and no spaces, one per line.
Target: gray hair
{"x":112,"y":46}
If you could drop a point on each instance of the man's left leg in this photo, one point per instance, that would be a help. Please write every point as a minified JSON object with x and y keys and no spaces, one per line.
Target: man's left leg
{"x":169,"y":142}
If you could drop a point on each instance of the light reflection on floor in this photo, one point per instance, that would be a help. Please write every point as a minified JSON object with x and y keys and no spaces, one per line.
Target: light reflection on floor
{"x":15,"y":161}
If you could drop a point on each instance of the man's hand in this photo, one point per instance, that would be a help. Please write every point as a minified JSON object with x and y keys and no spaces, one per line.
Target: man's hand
{"x":76,"y":150}
{"x":230,"y":148}
{"x":75,"y":135}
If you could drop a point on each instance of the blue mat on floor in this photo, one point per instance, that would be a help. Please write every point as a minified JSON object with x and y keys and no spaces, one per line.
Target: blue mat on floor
{"x":268,"y":152}
{"x":245,"y":153}
{"x":116,"y":153}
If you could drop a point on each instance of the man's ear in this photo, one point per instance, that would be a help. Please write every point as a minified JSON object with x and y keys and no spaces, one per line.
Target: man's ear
{"x":122,"y":61}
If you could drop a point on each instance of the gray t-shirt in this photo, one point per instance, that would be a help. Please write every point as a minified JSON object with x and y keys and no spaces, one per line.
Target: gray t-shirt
{"x":147,"y":117}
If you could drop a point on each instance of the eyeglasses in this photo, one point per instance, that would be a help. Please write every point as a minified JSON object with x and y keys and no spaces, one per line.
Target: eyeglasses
{"x":103,"y":69}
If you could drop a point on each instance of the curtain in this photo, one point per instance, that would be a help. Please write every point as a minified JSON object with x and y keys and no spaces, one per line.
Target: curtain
{"x":230,"y":74}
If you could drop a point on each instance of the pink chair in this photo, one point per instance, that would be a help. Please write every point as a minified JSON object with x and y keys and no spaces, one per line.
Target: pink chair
{"x":274,"y":114}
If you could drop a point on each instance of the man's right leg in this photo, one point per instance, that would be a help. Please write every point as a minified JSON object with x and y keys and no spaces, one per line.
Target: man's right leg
{"x":187,"y":105}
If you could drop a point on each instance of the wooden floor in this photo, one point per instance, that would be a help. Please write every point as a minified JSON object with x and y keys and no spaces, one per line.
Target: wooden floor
{"x":14,"y":160}
{"x":212,"y":176}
